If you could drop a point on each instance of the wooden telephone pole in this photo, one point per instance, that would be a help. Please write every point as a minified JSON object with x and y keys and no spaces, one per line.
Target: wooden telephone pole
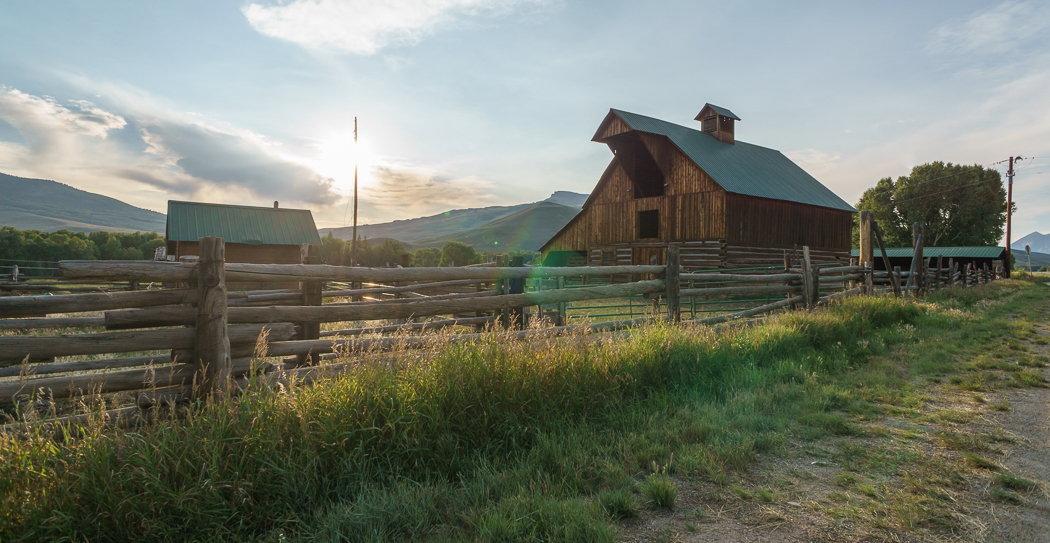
{"x":353,"y":240}
{"x":1009,"y":211}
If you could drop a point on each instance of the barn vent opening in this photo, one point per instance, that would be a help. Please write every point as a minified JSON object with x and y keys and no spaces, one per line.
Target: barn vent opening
{"x":647,"y":180}
{"x":649,"y":224}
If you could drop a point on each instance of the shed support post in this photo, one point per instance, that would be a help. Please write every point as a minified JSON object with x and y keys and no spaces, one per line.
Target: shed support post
{"x":672,"y":267}
{"x":951,"y":272}
{"x":311,"y":297}
{"x":211,"y":344}
{"x":866,"y":251}
{"x":917,"y":241}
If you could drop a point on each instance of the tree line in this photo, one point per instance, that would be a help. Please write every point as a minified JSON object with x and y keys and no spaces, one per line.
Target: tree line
{"x":35,"y":245}
{"x":387,"y":253}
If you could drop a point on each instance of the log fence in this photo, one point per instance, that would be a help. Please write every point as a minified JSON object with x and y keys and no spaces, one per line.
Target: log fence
{"x":185,"y":336}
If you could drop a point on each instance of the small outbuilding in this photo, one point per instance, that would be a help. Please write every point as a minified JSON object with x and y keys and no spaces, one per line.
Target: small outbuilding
{"x":724,"y":202}
{"x":256,"y":235}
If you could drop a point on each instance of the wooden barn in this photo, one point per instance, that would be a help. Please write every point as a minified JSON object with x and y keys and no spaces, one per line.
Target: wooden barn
{"x":257,"y":235}
{"x":726,"y":203}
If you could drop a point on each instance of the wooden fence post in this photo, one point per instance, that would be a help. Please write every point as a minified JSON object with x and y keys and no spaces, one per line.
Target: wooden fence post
{"x":951,"y":272}
{"x":674,"y":308}
{"x":808,"y":278}
{"x":869,"y":278}
{"x":563,"y":318}
{"x":311,"y":297}
{"x":517,"y":286}
{"x":211,"y":344}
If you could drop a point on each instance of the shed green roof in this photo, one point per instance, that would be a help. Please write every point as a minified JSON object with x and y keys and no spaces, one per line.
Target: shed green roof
{"x":742,"y":168}
{"x":946,"y":252}
{"x":190,"y":221}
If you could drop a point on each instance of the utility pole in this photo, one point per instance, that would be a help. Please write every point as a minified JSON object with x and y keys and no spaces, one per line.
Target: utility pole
{"x":1009,"y":211}
{"x":353,"y":240}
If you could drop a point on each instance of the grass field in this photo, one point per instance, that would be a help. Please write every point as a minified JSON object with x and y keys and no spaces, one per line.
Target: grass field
{"x":590,"y":438}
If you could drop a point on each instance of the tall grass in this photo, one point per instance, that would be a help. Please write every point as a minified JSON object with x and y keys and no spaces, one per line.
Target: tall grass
{"x":488,"y":441}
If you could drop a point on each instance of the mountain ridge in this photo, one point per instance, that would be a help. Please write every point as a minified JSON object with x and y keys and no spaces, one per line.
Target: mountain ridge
{"x":1040,"y":243}
{"x":43,"y":204}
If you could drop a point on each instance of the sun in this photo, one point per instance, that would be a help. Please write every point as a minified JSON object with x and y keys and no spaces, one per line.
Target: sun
{"x":336,"y":157}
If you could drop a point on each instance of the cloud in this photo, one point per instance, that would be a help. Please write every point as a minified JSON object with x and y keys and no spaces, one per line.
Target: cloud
{"x":365,"y":26}
{"x":996,"y":30}
{"x":401,"y":191}
{"x":166,"y":153}
{"x":243,"y":160}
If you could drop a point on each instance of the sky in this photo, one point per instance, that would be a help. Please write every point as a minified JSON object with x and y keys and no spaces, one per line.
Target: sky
{"x":468,"y":103}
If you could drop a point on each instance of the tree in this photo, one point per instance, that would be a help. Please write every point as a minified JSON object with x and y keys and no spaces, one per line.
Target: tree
{"x":427,"y":257}
{"x":457,"y":253}
{"x":959,"y":205}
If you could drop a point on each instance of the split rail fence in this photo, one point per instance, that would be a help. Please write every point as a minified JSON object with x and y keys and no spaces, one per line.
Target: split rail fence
{"x":198,"y":337}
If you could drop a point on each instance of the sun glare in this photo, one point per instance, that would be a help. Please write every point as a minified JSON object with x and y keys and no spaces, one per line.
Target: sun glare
{"x":336,"y":157}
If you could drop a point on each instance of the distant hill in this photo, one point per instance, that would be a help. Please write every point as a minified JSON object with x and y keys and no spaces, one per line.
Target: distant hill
{"x":450,"y":222}
{"x":527,"y":229}
{"x":39,"y":204}
{"x":1038,"y":259}
{"x":1040,"y":243}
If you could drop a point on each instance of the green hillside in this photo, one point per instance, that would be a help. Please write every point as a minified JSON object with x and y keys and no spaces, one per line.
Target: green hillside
{"x":449,"y":223}
{"x":442,"y":224}
{"x":38,"y":204}
{"x":1038,"y":259}
{"x":527,"y":229}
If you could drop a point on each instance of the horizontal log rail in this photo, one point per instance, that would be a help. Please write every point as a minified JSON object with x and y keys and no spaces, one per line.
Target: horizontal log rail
{"x":718,"y":291}
{"x":739,"y":277}
{"x":52,"y":322}
{"x":38,"y":306}
{"x":16,"y":348}
{"x":394,"y":290}
{"x":85,"y":365}
{"x":393,"y":309}
{"x":749,"y":312}
{"x":105,"y":383}
{"x":412,"y":326}
{"x":172,"y":272}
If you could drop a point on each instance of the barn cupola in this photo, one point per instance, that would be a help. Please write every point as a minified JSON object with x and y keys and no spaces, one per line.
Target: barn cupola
{"x":718,"y":121}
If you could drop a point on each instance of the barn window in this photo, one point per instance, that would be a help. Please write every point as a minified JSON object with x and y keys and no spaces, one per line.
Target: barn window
{"x":649,"y":224}
{"x":709,"y":124}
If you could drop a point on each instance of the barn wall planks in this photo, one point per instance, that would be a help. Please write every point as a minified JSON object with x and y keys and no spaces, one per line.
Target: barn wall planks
{"x":763,"y":221}
{"x":244,"y":253}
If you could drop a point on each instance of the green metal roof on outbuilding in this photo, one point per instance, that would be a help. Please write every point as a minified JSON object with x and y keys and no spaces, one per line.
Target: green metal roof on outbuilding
{"x":742,"y":168}
{"x":190,"y":221}
{"x":946,"y":252}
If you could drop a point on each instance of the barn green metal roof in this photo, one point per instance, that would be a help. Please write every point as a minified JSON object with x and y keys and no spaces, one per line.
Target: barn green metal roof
{"x":946,"y":252}
{"x":190,"y":221}
{"x":721,"y":111}
{"x":742,"y":168}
